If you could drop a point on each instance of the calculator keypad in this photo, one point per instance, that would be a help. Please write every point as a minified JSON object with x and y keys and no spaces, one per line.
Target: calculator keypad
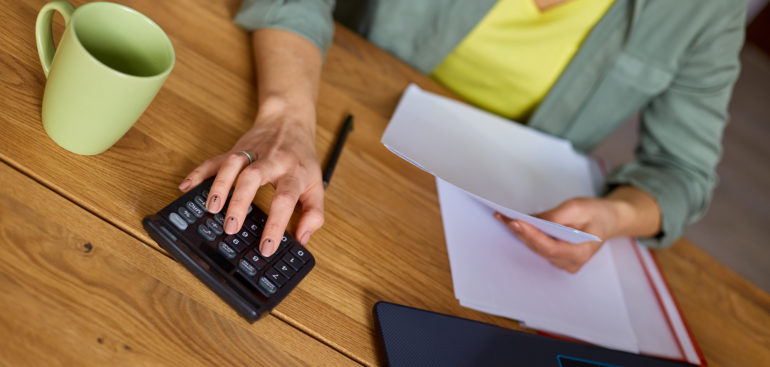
{"x":240,"y":252}
{"x":229,"y":264}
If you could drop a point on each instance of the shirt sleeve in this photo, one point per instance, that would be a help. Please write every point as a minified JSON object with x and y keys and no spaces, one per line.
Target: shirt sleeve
{"x":311,"y":19}
{"x":681,"y":130}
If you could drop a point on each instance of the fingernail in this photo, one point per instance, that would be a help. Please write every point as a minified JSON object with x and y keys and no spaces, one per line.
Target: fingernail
{"x":498,"y":216}
{"x":231,"y":226}
{"x":304,"y":238}
{"x":516,"y":226}
{"x":185,"y":184}
{"x":213,"y":204}
{"x":267,"y":248}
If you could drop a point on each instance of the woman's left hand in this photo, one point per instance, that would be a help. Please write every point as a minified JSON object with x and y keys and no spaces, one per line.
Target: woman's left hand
{"x":626,"y":211}
{"x":596,"y":216}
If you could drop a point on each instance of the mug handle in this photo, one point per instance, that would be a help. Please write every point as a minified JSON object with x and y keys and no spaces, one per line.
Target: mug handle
{"x":45,"y":46}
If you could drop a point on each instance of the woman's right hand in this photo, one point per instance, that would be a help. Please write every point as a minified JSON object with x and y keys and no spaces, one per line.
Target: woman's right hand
{"x":282,"y":142}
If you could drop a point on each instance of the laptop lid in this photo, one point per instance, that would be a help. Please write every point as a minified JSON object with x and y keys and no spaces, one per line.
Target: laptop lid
{"x":414,"y":337}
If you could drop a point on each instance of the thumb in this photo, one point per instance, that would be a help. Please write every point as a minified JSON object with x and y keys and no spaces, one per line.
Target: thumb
{"x":566,"y":213}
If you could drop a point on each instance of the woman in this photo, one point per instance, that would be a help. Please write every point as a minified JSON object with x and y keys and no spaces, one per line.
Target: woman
{"x":572,"y":68}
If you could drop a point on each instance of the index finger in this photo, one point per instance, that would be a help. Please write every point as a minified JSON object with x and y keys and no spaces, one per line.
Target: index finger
{"x":537,"y":241}
{"x":228,"y":171}
{"x":249,"y":181}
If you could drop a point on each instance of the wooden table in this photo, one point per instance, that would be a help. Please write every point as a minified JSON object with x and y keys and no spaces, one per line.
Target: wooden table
{"x":82,"y":281}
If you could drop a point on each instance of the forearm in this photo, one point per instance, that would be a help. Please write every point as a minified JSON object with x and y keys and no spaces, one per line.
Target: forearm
{"x":636,"y":213}
{"x":288,"y":69}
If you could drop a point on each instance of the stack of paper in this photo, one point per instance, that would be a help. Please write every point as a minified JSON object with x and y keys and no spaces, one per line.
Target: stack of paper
{"x":510,"y":167}
{"x":484,"y":164}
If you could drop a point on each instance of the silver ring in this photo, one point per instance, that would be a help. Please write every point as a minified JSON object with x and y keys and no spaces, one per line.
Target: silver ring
{"x":248,"y":156}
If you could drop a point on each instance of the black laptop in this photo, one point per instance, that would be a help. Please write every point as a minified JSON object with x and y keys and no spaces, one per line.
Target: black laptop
{"x":414,"y":337}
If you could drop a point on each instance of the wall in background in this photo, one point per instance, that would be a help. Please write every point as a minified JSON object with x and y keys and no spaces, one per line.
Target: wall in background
{"x":755,"y":6}
{"x":758,"y":31}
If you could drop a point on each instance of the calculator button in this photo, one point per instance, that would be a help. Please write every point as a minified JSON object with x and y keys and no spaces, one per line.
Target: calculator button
{"x":205,"y":193}
{"x":247,"y":267}
{"x":281,"y":246}
{"x":226,"y":250}
{"x":235,"y":243}
{"x":260,"y":217}
{"x":275,"y":254}
{"x":292,"y":261}
{"x":251,"y":208}
{"x":284,"y":269}
{"x":284,"y":243}
{"x":267,"y":286}
{"x":252,"y":226}
{"x":219,"y":218}
{"x":255,"y":259}
{"x":186,"y":214}
{"x":247,"y":237}
{"x":177,"y":220}
{"x":200,"y":201}
{"x":214,"y":226}
{"x":300,"y":253}
{"x":194,"y":209}
{"x":206,"y":232}
{"x":276,"y":277}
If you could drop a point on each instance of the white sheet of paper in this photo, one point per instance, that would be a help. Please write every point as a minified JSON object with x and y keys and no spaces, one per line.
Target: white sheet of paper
{"x":494,"y":272}
{"x":653,"y":332}
{"x":511,"y":167}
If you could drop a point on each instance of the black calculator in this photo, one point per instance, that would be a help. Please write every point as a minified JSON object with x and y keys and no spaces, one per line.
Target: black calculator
{"x":231,"y":265}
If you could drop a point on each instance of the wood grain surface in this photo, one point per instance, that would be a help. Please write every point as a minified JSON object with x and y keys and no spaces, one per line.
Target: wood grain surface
{"x":728,"y":316}
{"x":383,"y":238}
{"x":78,"y":291}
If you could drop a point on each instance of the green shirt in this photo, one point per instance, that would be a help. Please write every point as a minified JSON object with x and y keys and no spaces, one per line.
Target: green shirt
{"x":674,"y":62}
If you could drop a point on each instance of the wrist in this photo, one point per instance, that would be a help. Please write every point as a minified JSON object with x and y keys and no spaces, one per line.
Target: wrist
{"x":286,"y":105}
{"x":622,"y":213}
{"x":296,"y":112}
{"x":637,"y":213}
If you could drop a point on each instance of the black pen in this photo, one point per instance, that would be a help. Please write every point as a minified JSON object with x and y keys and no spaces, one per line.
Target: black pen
{"x":346,"y":129}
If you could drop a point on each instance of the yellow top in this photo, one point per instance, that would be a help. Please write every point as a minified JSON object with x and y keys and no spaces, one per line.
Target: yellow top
{"x":510,"y":60}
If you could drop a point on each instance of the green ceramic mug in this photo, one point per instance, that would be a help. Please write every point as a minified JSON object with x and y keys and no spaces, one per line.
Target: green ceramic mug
{"x":108,"y":66}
